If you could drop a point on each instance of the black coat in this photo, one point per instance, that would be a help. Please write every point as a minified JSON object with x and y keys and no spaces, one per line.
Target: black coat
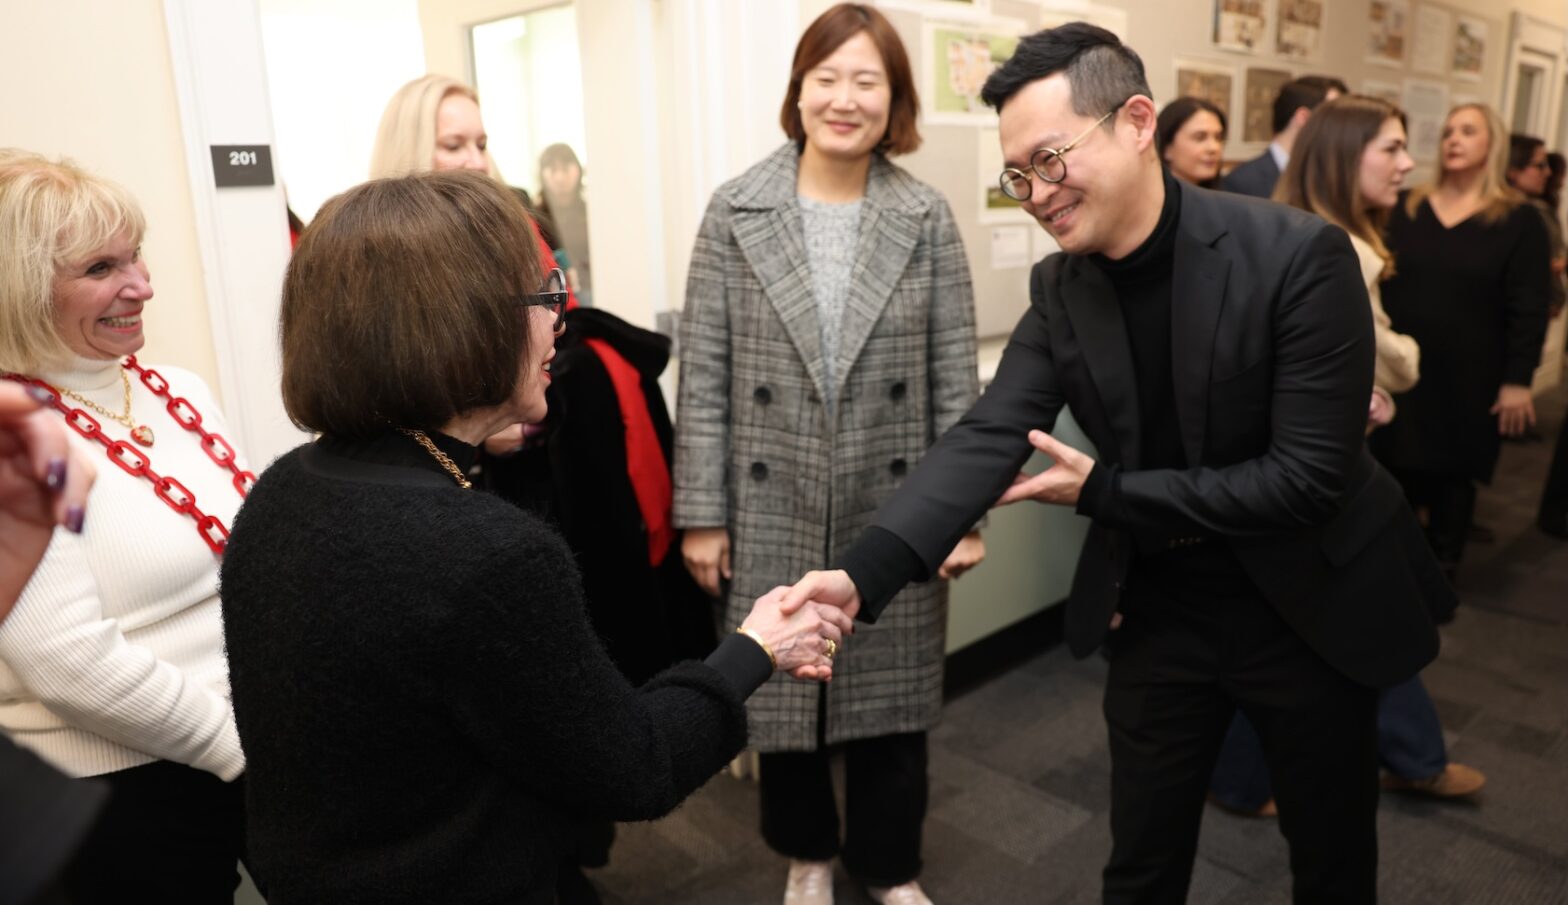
{"x":1272,"y":346}
{"x":575,"y":476}
{"x":1257,"y":177}
{"x":426,"y":714}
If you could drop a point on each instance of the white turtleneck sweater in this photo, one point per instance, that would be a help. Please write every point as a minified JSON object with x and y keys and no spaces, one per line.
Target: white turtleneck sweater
{"x":113,"y":656}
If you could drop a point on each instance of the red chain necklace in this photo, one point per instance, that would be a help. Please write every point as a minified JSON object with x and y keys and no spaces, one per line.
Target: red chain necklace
{"x":135,"y":462}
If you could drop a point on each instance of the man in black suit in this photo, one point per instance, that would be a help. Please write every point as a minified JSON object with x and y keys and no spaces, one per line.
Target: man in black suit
{"x":1292,"y":107}
{"x":1219,"y":353}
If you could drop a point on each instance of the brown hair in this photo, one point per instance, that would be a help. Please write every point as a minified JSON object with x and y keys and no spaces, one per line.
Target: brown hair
{"x":1175,"y":115}
{"x":398,"y":306}
{"x":1324,"y":173}
{"x":1499,"y":198}
{"x":827,"y":34}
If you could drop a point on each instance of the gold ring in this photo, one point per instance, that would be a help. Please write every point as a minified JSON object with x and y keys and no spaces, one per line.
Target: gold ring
{"x":832,"y":649}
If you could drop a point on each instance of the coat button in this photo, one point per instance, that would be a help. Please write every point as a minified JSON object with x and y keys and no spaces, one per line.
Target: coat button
{"x":763,"y":395}
{"x":759,"y":471}
{"x":897,"y":391}
{"x":898,"y":468}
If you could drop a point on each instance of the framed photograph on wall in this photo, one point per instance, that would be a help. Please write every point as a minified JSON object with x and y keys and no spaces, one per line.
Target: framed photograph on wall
{"x":1426,"y":106}
{"x":1469,"y":48}
{"x":1241,"y":25}
{"x":1263,"y":86}
{"x":1431,"y":30}
{"x":1299,"y":31}
{"x":1388,"y":23}
{"x":957,"y":59}
{"x":1214,"y":82}
{"x":994,"y":205}
{"x":1384,"y":91}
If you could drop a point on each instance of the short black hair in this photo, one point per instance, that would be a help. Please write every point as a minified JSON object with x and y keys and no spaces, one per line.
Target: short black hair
{"x":1102,"y":72}
{"x":1308,"y":91}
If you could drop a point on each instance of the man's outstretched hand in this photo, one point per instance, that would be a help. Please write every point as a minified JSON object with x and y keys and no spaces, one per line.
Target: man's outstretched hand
{"x":1061,"y":483}
{"x":830,"y":588}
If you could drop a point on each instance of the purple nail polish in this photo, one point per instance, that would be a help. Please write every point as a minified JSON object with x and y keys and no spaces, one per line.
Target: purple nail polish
{"x":75,"y":516}
{"x":39,"y":394}
{"x":54,"y":477}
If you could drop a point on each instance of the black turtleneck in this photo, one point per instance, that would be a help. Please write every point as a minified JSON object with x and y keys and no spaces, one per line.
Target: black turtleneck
{"x":1142,"y":281}
{"x":1143,"y":284}
{"x":1143,"y":289}
{"x":398,"y":450}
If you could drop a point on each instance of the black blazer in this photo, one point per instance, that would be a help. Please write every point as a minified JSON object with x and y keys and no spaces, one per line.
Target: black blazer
{"x":1257,"y":177}
{"x":1273,"y":354}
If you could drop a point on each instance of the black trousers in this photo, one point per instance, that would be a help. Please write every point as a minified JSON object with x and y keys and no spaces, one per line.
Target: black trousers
{"x":1554,"y":496}
{"x":885,"y":793}
{"x":1179,"y":670}
{"x":170,"y":834}
{"x":1450,"y":503}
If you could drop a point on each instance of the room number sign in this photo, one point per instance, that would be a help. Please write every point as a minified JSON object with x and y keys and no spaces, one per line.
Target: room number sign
{"x":236,"y":166}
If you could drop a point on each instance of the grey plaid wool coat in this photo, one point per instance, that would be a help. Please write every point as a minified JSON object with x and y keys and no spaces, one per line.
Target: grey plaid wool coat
{"x":796,"y":481}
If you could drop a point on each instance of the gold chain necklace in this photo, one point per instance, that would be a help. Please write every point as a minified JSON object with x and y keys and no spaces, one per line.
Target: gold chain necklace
{"x":439,"y":456}
{"x":141,"y":433}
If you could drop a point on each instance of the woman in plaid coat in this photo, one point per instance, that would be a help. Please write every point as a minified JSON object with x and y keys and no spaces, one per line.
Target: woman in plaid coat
{"x":828,"y":339}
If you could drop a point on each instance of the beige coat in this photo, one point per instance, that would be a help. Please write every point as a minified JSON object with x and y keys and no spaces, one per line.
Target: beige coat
{"x":1398,"y":356}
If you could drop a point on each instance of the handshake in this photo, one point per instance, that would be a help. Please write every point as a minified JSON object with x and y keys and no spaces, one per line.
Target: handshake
{"x":802,"y":627}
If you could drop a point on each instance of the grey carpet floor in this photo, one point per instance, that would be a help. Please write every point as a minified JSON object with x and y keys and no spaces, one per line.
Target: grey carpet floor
{"x":1020,"y":783}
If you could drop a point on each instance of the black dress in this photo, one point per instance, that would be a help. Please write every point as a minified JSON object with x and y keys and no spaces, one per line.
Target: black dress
{"x":1474,"y":296}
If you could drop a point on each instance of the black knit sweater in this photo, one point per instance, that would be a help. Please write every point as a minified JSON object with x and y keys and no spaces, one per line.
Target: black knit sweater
{"x":423,"y":705}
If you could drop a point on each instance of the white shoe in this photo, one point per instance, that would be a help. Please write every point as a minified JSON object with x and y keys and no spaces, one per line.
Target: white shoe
{"x":809,"y":883}
{"x":903,"y":894}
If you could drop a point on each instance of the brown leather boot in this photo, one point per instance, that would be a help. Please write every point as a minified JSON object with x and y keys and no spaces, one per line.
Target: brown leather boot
{"x":1456,"y":781}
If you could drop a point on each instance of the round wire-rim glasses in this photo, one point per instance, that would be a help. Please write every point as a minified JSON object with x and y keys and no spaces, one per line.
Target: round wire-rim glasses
{"x":1047,"y":163}
{"x":552,"y":296}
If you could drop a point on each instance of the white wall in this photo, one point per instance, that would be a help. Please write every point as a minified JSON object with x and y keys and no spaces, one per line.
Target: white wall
{"x":530,"y":85}
{"x":331,"y":67}
{"x":722,"y":69}
{"x":92,"y":81}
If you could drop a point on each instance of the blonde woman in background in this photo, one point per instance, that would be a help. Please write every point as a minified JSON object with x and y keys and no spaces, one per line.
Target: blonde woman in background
{"x":1471,"y":288}
{"x":112,"y":662}
{"x":432,"y":124}
{"x":1348,"y":167}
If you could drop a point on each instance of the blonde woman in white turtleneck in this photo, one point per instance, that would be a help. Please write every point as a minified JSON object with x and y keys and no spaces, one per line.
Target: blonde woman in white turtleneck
{"x":112,"y":664}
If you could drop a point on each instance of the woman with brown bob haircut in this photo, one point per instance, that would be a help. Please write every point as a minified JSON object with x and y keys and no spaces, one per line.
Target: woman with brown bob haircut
{"x":425,"y":707}
{"x":828,"y":340}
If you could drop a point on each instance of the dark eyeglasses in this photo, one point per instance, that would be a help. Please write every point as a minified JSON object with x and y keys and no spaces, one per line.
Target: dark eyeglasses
{"x":552,"y":296}
{"x":1047,"y":163}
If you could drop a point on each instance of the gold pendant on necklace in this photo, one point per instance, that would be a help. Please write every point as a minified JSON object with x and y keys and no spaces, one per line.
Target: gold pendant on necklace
{"x":142,"y":434}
